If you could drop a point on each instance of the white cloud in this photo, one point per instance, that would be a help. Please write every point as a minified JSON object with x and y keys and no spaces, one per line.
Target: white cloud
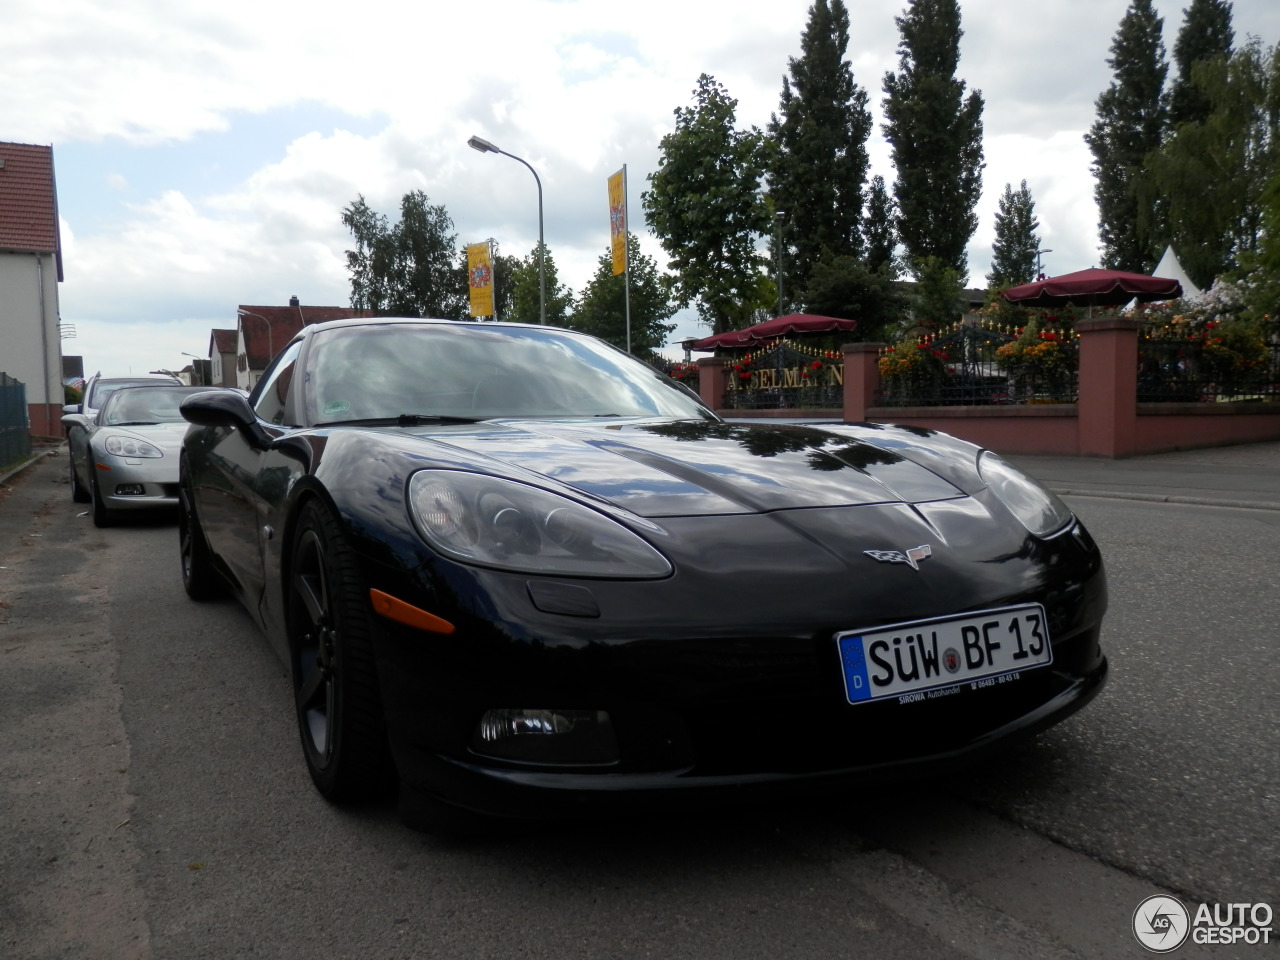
{"x":577,"y":88}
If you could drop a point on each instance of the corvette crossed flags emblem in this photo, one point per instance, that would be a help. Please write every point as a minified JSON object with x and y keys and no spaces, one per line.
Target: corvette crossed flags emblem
{"x":911,"y":557}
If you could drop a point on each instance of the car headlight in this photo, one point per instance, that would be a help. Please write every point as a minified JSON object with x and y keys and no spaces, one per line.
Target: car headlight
{"x":513,"y":526}
{"x":130,"y":447}
{"x":1040,"y":511}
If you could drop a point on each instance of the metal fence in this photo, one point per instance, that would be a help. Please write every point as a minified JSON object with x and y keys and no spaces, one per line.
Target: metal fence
{"x":15,"y":432}
{"x":1197,"y":368}
{"x":786,"y":376}
{"x":962,"y":366}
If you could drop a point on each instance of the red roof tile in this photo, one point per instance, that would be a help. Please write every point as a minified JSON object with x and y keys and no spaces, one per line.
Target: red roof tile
{"x":29,"y":200}
{"x":222,"y":341}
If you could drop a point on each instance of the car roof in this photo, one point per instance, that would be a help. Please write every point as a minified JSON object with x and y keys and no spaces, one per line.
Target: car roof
{"x":314,"y":328}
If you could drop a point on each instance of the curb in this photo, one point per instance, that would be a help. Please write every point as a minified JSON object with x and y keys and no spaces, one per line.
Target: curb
{"x":1167,"y":498}
{"x":34,"y":459}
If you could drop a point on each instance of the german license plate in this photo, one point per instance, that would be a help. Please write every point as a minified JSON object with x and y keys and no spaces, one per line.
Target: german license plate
{"x":943,"y":652}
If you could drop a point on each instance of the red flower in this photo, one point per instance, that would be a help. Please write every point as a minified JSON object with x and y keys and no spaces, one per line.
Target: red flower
{"x":816,"y":365}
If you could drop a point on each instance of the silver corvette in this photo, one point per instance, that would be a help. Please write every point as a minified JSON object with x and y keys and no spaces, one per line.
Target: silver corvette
{"x":125,"y":458}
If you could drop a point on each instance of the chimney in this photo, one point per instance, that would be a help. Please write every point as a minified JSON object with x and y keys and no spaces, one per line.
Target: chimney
{"x":294,"y":301}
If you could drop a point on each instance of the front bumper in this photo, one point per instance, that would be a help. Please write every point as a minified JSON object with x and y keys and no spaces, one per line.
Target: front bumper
{"x":137,"y":483}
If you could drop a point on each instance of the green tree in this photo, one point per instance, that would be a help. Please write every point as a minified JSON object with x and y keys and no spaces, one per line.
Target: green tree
{"x":936,"y":300}
{"x":935,"y":132}
{"x":847,"y":287}
{"x":601,"y":310}
{"x":1212,"y":173}
{"x":705,"y":207}
{"x":1206,"y":33}
{"x":1130,"y":124}
{"x":880,"y":239}
{"x":1013,"y":256}
{"x":819,"y":161}
{"x":1263,"y":266}
{"x":525,"y":299}
{"x":370,"y":264}
{"x":409,"y":269}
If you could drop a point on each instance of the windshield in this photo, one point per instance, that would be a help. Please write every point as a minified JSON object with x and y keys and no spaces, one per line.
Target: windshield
{"x":102,"y":389}
{"x":137,"y":405}
{"x":466,"y":371}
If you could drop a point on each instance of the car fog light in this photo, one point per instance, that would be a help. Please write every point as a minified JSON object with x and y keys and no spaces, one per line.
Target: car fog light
{"x":547,"y":736}
{"x":130,"y":490}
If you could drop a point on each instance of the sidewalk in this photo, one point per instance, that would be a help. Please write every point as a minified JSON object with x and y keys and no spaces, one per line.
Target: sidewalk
{"x":1247,"y":475}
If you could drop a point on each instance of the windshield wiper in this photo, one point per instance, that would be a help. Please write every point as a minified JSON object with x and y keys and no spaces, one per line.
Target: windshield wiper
{"x":418,"y":419}
{"x":404,"y":420}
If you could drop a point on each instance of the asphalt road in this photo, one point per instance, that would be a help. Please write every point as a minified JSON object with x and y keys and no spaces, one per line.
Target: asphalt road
{"x":153,"y":802}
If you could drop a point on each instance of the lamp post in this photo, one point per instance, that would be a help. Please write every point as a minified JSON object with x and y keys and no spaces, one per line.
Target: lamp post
{"x":484,"y":146}
{"x":1039,"y":272}
{"x":271,"y":347}
{"x":779,"y":218}
{"x":201,"y":368}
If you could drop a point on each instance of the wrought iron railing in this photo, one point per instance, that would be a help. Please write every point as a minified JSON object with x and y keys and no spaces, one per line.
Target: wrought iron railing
{"x":964,"y":366}
{"x":1193,"y":366}
{"x":786,"y":376}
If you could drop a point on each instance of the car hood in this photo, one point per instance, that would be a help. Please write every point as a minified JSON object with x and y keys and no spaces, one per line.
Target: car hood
{"x":695,"y":468}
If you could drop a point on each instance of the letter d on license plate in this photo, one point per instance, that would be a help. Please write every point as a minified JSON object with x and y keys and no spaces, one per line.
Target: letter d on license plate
{"x":890,"y":661}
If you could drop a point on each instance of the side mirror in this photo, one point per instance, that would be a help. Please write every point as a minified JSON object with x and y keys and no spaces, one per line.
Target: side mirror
{"x":72,"y":418}
{"x":224,"y":408}
{"x":72,"y":408}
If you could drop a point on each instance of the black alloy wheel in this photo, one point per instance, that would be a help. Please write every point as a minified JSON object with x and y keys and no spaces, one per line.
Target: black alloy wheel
{"x":78,"y":493}
{"x":199,"y":578}
{"x":336,"y":694}
{"x":102,"y":516}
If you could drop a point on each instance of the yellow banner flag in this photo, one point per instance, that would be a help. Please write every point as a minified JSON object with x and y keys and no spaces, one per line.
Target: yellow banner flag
{"x":480,"y":279}
{"x":618,"y":220}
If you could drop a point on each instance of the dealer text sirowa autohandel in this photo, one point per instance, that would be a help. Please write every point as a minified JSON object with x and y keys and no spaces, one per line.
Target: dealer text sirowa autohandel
{"x":1232,"y":923}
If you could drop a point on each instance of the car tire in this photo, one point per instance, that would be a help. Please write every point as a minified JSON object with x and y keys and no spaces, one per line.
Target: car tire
{"x":102,"y":515}
{"x":199,"y":578}
{"x":78,"y":493}
{"x":335,"y":682}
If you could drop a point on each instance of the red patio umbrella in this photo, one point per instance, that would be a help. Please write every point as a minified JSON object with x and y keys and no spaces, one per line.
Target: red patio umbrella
{"x":772,"y":329}
{"x":1094,"y":288}
{"x":733,"y":338}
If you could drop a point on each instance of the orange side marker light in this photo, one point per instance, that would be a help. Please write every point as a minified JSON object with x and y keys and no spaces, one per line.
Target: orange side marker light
{"x":406,"y":613}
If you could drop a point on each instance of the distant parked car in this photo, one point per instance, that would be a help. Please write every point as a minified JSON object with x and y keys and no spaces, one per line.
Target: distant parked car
{"x":96,"y":391}
{"x":98,"y":388}
{"x":126,"y":456}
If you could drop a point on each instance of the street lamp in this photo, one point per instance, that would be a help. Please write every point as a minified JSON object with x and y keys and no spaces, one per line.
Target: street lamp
{"x":484,"y":146}
{"x":271,"y":348}
{"x":1039,"y":272}
{"x":779,"y":218}
{"x":201,"y":368}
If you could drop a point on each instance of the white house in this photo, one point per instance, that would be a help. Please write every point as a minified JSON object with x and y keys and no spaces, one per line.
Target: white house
{"x":30,"y":270}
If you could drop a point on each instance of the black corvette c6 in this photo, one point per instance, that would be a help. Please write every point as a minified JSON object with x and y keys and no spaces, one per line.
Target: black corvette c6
{"x":515,"y":571}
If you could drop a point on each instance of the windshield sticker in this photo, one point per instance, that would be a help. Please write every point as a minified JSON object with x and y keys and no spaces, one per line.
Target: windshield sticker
{"x":335,"y":407}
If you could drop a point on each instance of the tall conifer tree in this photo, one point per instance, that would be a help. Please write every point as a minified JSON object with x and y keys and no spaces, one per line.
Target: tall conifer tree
{"x":1131,"y":122}
{"x":1013,"y":255}
{"x":1206,"y":33}
{"x":820,"y":132}
{"x":878,"y":234}
{"x":936,"y":135}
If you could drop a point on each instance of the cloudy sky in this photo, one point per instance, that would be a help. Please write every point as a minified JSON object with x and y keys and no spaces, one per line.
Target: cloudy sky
{"x":204,"y":151}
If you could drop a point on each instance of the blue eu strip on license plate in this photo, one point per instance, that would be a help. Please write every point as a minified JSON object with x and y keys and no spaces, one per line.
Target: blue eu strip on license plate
{"x":924,"y":654}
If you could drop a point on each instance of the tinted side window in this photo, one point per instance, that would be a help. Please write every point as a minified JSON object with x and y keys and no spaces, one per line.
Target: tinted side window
{"x":271,"y":402}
